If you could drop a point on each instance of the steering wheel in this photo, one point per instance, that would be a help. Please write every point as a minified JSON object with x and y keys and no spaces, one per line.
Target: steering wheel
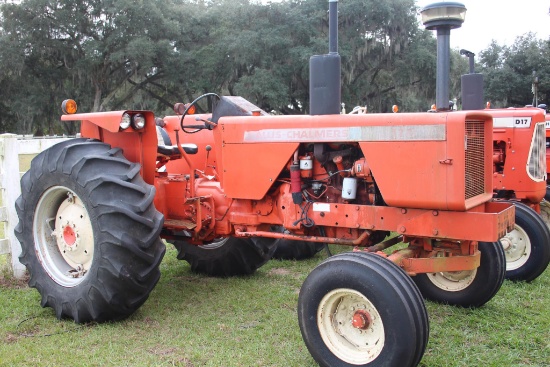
{"x":196,"y":127}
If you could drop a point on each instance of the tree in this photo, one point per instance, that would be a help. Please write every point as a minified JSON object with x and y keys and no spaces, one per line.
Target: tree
{"x":508,"y":71}
{"x":128,"y":54}
{"x":104,"y":53}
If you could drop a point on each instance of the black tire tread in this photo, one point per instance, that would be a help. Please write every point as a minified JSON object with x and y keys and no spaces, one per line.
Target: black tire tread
{"x":539,"y":235}
{"x":296,"y":250}
{"x":481,"y":290}
{"x":238,"y":256}
{"x":126,"y":263}
{"x":397,"y":280}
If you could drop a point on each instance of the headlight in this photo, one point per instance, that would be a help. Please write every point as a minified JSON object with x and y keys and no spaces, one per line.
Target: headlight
{"x":125,"y":121}
{"x":138,"y":121}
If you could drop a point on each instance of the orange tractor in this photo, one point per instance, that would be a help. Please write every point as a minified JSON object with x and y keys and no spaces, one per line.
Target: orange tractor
{"x":93,"y":211}
{"x":519,"y":176}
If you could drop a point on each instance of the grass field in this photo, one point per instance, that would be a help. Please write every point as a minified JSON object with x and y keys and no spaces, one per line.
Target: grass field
{"x":191,"y":320}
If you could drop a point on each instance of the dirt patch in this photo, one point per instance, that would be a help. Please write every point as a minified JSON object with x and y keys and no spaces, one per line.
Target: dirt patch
{"x":279,"y":271}
{"x":161,"y":351}
{"x":13,"y":283}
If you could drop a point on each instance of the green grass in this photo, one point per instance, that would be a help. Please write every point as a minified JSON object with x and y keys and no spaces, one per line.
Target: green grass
{"x":191,"y":320}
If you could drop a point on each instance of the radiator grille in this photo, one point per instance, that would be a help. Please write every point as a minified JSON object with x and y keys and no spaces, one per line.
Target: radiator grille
{"x":475,"y":162}
{"x":537,"y":155}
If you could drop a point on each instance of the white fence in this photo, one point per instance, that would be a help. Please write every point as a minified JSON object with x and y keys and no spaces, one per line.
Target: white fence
{"x":11,"y":146}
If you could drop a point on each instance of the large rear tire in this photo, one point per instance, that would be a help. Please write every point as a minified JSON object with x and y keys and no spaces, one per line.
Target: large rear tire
{"x":359,"y":309}
{"x":89,"y":231}
{"x":472,"y":288}
{"x":227,"y":257}
{"x":527,"y":247}
{"x":295,"y":250}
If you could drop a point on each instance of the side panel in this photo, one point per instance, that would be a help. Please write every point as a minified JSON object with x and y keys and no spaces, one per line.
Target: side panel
{"x":249,"y":170}
{"x":418,"y":160}
{"x":515,"y":128}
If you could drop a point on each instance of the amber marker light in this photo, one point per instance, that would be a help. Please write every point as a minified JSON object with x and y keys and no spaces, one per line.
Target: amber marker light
{"x":69,"y":107}
{"x":395,"y":108}
{"x":191,"y":109}
{"x":488,"y":104}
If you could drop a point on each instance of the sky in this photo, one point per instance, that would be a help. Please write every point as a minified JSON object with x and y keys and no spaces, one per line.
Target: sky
{"x":501,"y":20}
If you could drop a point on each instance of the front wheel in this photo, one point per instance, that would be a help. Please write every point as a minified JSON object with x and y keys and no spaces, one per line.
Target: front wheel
{"x":359,"y":309}
{"x":89,"y":231}
{"x":228,"y":256}
{"x":470,"y":288}
{"x":527,"y":247}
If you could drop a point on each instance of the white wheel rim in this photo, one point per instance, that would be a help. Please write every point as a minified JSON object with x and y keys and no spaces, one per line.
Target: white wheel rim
{"x":453,"y":281}
{"x":216,"y":244}
{"x":517,"y":247}
{"x":350,"y":326}
{"x":63,"y":236}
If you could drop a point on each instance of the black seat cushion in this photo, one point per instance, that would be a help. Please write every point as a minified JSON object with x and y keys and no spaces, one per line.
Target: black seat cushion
{"x":166,"y":148}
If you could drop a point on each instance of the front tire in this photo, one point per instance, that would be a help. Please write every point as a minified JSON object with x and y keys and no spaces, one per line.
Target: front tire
{"x":89,"y":231}
{"x":527,"y":247}
{"x":359,"y":309}
{"x":228,"y":256}
{"x":471,"y":288}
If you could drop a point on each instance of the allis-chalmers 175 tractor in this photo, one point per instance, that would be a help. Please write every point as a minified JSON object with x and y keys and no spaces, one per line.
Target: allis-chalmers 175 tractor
{"x":93,"y":211}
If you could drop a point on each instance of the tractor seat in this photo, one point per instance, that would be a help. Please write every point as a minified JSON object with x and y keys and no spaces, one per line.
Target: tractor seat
{"x":165,"y":147}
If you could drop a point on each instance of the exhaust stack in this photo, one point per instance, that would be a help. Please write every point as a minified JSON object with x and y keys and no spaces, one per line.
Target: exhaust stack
{"x":324,"y":73}
{"x":442,"y":17}
{"x":471,"y":86}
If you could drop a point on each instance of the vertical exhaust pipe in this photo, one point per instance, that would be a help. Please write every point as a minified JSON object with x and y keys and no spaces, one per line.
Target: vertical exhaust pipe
{"x":324,"y":73}
{"x":471,"y":86}
{"x":442,"y":17}
{"x":333,"y":26}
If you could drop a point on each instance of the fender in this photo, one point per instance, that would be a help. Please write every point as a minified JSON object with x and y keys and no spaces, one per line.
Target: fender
{"x":139,"y":146}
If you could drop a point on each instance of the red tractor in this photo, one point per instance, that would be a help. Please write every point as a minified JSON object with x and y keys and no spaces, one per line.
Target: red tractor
{"x":520,"y":176}
{"x":519,"y":167}
{"x":93,"y":211}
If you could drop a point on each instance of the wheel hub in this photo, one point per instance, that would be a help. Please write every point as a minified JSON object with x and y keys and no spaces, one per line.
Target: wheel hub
{"x":63,"y":233}
{"x":517,"y":248}
{"x":69,"y":236}
{"x":361,"y":320}
{"x":74,"y":238}
{"x":506,"y":243}
{"x":350,"y":326}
